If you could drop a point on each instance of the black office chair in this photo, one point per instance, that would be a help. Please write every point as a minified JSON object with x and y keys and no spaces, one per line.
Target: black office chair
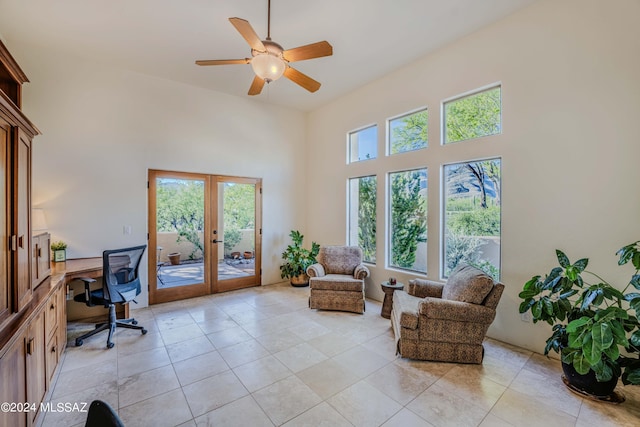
{"x":102,"y":415}
{"x":121,"y":284}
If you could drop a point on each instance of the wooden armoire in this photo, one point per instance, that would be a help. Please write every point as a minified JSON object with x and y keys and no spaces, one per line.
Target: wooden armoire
{"x":32,"y":307}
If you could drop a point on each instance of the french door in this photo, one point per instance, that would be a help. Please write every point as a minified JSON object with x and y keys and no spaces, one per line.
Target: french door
{"x":205,"y":234}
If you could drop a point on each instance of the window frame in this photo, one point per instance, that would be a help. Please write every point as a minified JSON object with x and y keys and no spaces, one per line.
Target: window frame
{"x":468,"y":94}
{"x":400,"y":116}
{"x":349,"y":212}
{"x":442,"y":238}
{"x":355,"y":131}
{"x":389,"y":222}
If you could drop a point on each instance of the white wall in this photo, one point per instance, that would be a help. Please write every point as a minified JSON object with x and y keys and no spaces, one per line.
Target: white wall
{"x":103,"y":128}
{"x":571,"y":101}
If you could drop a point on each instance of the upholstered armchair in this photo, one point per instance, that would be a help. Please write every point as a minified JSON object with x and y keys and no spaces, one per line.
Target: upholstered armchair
{"x":336,"y":281}
{"x":446,"y":322}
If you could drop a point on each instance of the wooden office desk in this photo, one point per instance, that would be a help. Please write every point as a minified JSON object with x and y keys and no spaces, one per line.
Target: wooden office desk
{"x":73,"y":269}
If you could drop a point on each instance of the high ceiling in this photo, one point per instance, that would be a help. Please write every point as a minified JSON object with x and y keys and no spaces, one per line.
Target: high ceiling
{"x":163,"y":38}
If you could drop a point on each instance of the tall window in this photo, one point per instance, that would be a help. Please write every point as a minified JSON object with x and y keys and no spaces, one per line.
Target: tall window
{"x":473,"y":116}
{"x":362,"y":216}
{"x":472,"y":215}
{"x":363,"y":144}
{"x":408,"y":132}
{"x":408,"y":220}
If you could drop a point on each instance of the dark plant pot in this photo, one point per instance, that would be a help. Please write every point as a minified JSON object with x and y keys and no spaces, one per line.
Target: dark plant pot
{"x":587,"y":383}
{"x":300,"y":280}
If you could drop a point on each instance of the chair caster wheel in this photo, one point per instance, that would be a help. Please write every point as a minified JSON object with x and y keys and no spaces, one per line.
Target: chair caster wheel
{"x":79,"y":343}
{"x":110,"y":345}
{"x":144,"y":331}
{"x":134,"y":322}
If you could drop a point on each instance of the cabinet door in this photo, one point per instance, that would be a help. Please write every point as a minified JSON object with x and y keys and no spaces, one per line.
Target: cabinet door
{"x":36,"y":361}
{"x":5,"y":254}
{"x":41,"y":258}
{"x":13,"y":387}
{"x":22,"y":238}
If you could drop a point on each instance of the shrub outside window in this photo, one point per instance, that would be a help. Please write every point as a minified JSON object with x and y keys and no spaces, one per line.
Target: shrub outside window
{"x":408,"y":132}
{"x":362,"y":215}
{"x":363,"y":144}
{"x":473,"y":116}
{"x":472,"y":216}
{"x":408,"y":220}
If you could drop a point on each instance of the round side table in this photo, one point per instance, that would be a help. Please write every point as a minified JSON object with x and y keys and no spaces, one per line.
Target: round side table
{"x":387,"y":304}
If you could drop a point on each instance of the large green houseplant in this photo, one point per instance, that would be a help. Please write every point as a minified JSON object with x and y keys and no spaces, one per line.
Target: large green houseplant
{"x":297,"y":259}
{"x":595,"y":325}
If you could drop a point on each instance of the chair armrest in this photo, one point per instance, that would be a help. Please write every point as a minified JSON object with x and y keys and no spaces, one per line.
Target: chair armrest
{"x":315,"y":270}
{"x":361,"y":272}
{"x":436,"y":308}
{"x":422,"y":288}
{"x":87,"y":290}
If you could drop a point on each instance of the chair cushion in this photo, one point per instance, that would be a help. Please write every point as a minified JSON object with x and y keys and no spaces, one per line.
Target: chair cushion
{"x":337,"y":282}
{"x":340,"y":259}
{"x":467,"y":284}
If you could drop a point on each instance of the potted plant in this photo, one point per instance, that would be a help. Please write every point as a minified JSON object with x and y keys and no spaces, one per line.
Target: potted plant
{"x":297,"y":259}
{"x":595,"y":325}
{"x":59,"y":250}
{"x":174,"y":258}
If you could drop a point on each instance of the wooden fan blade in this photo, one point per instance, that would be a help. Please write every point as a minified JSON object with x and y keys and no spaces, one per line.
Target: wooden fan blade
{"x":310,"y":51}
{"x":301,"y":79}
{"x":223,"y":61}
{"x":246,"y":30}
{"x":256,"y":86}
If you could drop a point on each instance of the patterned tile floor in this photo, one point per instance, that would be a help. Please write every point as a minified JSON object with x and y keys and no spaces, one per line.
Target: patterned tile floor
{"x":261,"y":357}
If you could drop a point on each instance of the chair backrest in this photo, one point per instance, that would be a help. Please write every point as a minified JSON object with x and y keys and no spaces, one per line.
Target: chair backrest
{"x":470,"y":284}
{"x":340,"y":259}
{"x":120,"y":273}
{"x":102,"y":415}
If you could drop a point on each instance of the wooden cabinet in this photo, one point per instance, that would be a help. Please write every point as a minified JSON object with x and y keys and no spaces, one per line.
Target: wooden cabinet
{"x":29,"y":361}
{"x":5,"y":229}
{"x":13,"y":387}
{"x":32,"y":307}
{"x":41,"y":258}
{"x":36,"y":362}
{"x":55,"y":331}
{"x":21,"y":242}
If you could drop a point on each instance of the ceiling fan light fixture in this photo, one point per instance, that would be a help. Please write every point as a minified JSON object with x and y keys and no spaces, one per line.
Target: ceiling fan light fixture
{"x":267,"y":66}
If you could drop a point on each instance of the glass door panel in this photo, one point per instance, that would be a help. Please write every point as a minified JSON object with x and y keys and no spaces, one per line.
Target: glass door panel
{"x":237,"y":261}
{"x":177,"y":236}
{"x":204,"y":234}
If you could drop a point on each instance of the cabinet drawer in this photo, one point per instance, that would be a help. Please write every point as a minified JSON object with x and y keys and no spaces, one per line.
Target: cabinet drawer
{"x":51,"y":316}
{"x":52,"y":357}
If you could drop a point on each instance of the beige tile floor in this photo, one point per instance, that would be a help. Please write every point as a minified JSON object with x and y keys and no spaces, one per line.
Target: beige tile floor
{"x":261,"y":357}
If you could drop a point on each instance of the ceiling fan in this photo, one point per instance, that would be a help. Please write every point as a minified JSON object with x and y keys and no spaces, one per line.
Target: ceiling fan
{"x":270,"y":61}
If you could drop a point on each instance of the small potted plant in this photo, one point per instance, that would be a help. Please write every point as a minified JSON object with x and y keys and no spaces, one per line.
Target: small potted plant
{"x":297,"y":259}
{"x":595,"y":325}
{"x":174,"y":258}
{"x":59,"y":250}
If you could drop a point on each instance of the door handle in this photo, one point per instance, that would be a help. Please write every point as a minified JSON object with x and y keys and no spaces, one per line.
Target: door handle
{"x":217,"y":241}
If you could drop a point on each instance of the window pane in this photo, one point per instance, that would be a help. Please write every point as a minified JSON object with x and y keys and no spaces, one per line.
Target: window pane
{"x":408,"y":133}
{"x":472,"y":216}
{"x":408,"y":231}
{"x":362,"y":216}
{"x":363,"y":144}
{"x":473,"y":116}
